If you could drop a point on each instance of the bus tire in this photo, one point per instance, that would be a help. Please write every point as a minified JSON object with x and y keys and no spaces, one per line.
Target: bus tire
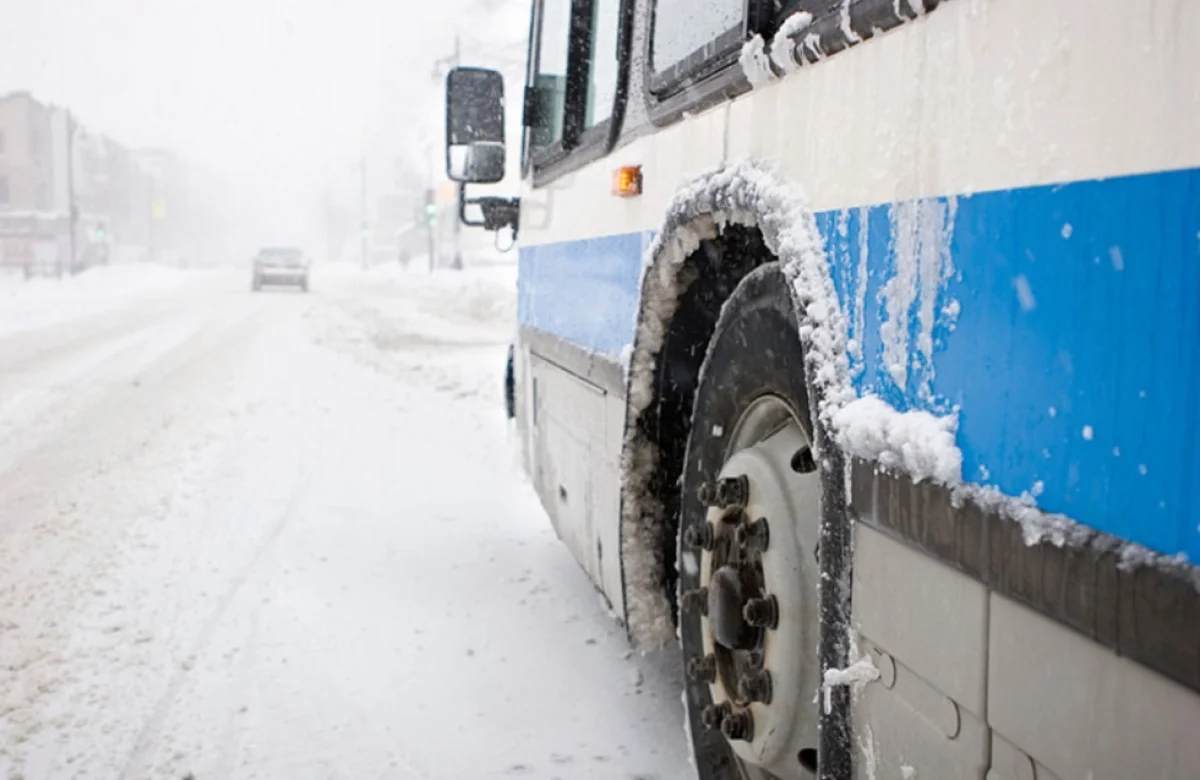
{"x":747,"y":556}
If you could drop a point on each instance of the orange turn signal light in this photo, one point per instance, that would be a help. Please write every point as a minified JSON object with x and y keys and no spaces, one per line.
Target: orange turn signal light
{"x":627,"y":181}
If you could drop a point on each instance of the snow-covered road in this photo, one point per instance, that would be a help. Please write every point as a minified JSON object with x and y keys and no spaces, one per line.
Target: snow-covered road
{"x":285,"y":536}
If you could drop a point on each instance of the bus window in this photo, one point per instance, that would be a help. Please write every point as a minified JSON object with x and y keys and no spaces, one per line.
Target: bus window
{"x":602,"y":67}
{"x":550,"y":80}
{"x":683,"y":27}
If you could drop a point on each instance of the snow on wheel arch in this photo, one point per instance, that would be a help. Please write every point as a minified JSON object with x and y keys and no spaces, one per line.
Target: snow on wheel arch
{"x":745,"y":194}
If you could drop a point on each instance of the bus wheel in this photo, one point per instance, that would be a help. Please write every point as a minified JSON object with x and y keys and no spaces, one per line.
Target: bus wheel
{"x":748,"y":576}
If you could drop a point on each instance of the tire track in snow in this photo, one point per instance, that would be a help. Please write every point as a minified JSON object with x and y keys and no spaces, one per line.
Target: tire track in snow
{"x":230,"y":742}
{"x":91,"y":407}
{"x":22,"y":352}
{"x":152,"y":728}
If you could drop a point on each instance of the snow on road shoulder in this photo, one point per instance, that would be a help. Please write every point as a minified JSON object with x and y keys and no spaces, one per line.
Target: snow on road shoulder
{"x":40,"y":302}
{"x":446,"y":331}
{"x":273,"y":554}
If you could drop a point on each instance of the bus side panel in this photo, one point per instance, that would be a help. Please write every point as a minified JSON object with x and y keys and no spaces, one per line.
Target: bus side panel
{"x":1096,"y":714}
{"x":568,"y":450}
{"x":957,"y":661}
{"x":1054,"y":185}
{"x":925,"y":627}
{"x":1009,"y":211}
{"x":576,"y":304}
{"x":582,"y":292}
{"x":1064,"y":332}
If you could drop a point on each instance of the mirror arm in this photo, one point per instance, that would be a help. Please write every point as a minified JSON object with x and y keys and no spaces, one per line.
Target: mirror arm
{"x":462,"y":206}
{"x":498,"y":212}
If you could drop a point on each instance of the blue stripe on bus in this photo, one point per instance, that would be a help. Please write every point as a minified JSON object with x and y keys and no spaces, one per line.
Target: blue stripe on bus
{"x":1074,"y":358}
{"x":585,"y":292}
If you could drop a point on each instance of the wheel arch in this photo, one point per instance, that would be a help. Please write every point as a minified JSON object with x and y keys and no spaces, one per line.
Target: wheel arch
{"x":697,"y":258}
{"x":757,"y":199}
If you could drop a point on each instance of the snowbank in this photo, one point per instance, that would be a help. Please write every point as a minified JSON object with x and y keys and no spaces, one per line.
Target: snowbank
{"x":474,"y":296}
{"x":39,"y":302}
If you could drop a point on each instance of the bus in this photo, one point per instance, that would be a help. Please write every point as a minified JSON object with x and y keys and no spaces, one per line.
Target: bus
{"x":858,"y":357}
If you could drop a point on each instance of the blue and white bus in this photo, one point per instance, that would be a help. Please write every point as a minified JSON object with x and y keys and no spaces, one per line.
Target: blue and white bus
{"x":859,"y":354}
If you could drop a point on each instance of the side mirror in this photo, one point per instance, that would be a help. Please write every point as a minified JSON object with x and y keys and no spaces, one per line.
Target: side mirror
{"x":475,"y":148}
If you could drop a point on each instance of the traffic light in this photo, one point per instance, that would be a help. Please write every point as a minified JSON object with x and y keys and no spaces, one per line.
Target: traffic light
{"x":101,"y":232}
{"x":430,"y":208}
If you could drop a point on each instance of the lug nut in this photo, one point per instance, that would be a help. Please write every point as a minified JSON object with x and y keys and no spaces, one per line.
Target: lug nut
{"x":714,"y":715}
{"x":733,"y":518}
{"x":695,"y":600}
{"x":762,"y":613}
{"x":705,"y":494}
{"x":755,"y":533}
{"x":755,"y":685}
{"x":701,"y":536}
{"x":733,"y":491}
{"x":738,"y":726}
{"x":803,"y":461}
{"x":702,"y":669}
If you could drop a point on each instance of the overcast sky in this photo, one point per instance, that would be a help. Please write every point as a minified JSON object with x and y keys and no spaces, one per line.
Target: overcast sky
{"x":273,"y":92}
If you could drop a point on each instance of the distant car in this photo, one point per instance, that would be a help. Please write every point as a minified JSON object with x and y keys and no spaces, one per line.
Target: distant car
{"x":280,"y":265}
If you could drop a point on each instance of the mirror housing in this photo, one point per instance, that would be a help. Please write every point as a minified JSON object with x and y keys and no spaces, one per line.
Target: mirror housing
{"x":475,"y":149}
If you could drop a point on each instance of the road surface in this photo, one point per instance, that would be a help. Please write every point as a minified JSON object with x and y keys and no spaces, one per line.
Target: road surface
{"x":285,"y":536}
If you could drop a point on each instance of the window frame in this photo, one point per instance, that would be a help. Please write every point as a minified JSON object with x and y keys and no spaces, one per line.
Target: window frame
{"x":578,"y":145}
{"x":711,"y":58}
{"x":707,"y":77}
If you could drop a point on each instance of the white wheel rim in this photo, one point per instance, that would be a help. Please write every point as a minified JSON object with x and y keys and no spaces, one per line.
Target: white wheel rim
{"x":763,"y":445}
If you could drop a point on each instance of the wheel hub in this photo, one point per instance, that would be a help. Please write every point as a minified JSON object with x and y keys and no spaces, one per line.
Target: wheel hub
{"x":727,"y":597}
{"x":758,"y":604}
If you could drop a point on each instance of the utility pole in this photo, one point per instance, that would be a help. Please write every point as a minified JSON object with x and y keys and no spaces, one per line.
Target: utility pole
{"x":448,"y":63}
{"x":430,"y":209}
{"x":72,"y":211}
{"x":458,"y":262}
{"x":431,"y":224}
{"x":363,"y":228}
